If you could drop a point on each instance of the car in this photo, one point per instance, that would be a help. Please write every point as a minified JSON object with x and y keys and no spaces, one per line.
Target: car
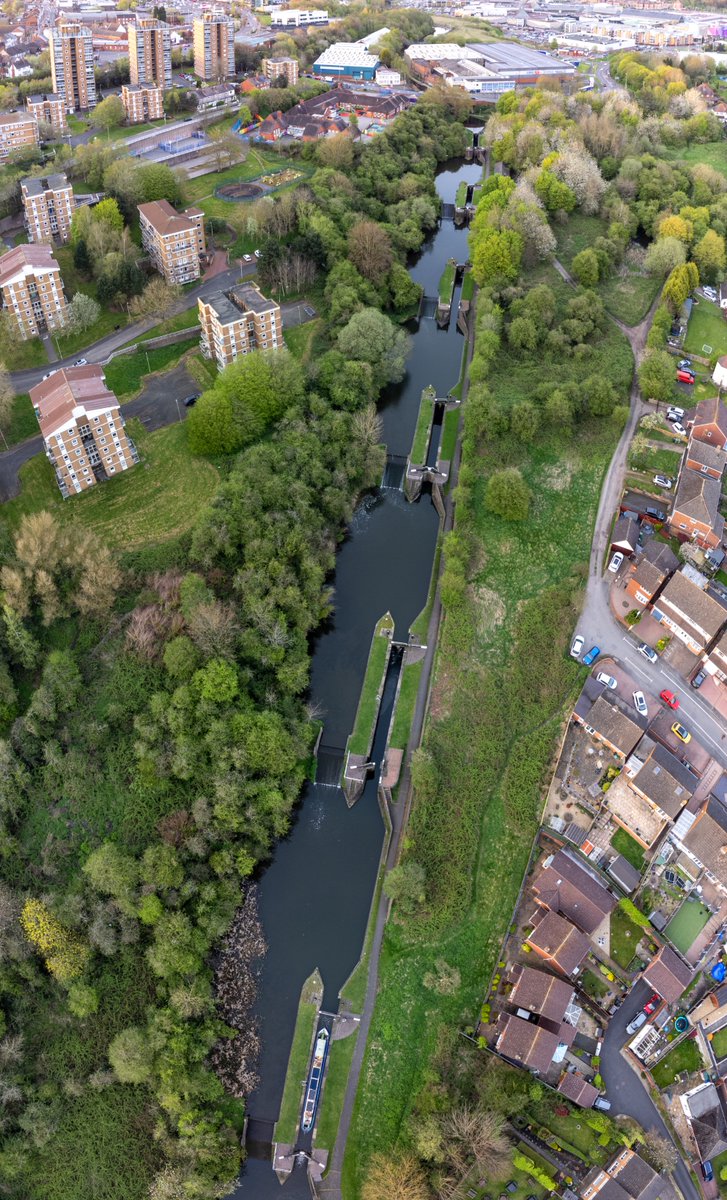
{"x":686,"y":377}
{"x":602,"y":1103}
{"x":669,"y":698}
{"x":191,"y":400}
{"x":607,"y":680}
{"x":81,"y":362}
{"x":683,"y":734}
{"x":47,"y":376}
{"x":592,"y":655}
{"x":707,"y":1170}
{"x":647,"y":652}
{"x":652,"y":1004}
{"x":657,"y":514}
{"x":256,"y":253}
{"x":674,"y":413}
{"x":699,"y":679}
{"x":640,"y":704}
{"x":679,"y":428}
{"x":638,"y":1021}
{"x":710,"y":293}
{"x":664,"y":481}
{"x":247,"y":257}
{"x":615,"y":562}
{"x":577,"y":647}
{"x":684,"y":364}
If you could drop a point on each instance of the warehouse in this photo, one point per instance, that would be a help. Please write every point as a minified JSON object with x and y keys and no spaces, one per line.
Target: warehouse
{"x":346,"y":60}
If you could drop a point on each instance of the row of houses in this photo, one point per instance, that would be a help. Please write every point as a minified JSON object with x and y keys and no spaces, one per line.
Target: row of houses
{"x":330,"y":114}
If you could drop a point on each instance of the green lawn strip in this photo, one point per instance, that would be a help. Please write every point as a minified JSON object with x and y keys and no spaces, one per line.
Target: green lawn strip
{"x":300,"y":339}
{"x":368,"y":705}
{"x":188,"y":319}
{"x":719,"y":1044}
{"x":305,"y":1027}
{"x":592,"y":985}
{"x":23,"y":422}
{"x":334,"y":1089}
{"x":420,"y":625}
{"x":159,"y":498}
{"x":684,"y":1057}
{"x":629,"y":848}
{"x":202,"y":370}
{"x":644,"y":483}
{"x":446,"y":283}
{"x":707,"y":327}
{"x":125,"y":373}
{"x":711,"y":153}
{"x":401,"y":726}
{"x":420,"y":441}
{"x":449,"y":435}
{"x":629,"y":294}
{"x":571,"y":1131}
{"x":468,"y":286}
{"x":719,"y":1164}
{"x":576,"y":234}
{"x":625,"y":937}
{"x":24,"y":355}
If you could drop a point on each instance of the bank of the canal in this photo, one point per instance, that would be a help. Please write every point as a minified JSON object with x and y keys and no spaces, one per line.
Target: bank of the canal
{"x":315,"y":894}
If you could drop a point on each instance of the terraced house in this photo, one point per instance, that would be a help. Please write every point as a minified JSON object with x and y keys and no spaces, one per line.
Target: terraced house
{"x":32,"y":289}
{"x":174,"y":241}
{"x":686,"y":609}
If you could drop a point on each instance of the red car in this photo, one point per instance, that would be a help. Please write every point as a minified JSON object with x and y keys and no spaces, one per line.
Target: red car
{"x":670,"y":699}
{"x":685,"y":377}
{"x":652,"y":1004}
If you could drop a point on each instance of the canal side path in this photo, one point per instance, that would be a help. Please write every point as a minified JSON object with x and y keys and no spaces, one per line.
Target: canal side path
{"x":330,"y":1187}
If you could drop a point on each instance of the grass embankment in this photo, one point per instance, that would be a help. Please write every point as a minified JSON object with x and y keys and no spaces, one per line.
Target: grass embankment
{"x":706,"y":332}
{"x":300,"y":340}
{"x":25,"y":355}
{"x":446,"y":283}
{"x":157,"y":499}
{"x":448,"y":440}
{"x":295,"y":1078}
{"x":73,"y":281}
{"x":368,"y":705}
{"x":184,"y":320}
{"x":422,"y":433}
{"x":461,"y":198}
{"x":628,"y":848}
{"x":23,"y":423}
{"x":329,"y":1113}
{"x":468,"y":286}
{"x":401,"y":725}
{"x":125,"y":374}
{"x":684,"y":1057}
{"x":629,"y":292}
{"x":503,"y":684}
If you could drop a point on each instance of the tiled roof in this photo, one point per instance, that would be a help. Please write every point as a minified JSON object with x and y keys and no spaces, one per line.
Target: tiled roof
{"x":711,"y":412}
{"x":568,"y":887}
{"x":707,"y":838}
{"x":166,"y":219}
{"x":665,"y":781}
{"x":668,"y":975}
{"x":705,"y":454}
{"x":560,"y":940}
{"x":625,"y":875}
{"x":661,"y":555}
{"x":699,"y":609}
{"x":620,"y":728}
{"x":697,"y":496}
{"x":576,"y":1087}
{"x":648,"y":577}
{"x":526,"y":1043}
{"x":38,"y":257}
{"x":539,"y":992}
{"x":66,"y":390}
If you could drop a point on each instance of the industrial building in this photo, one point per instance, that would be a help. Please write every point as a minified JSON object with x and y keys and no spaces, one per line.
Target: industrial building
{"x":214,"y":46}
{"x":485,"y":69}
{"x":71,"y":64}
{"x":346,"y":60}
{"x":295,"y":17}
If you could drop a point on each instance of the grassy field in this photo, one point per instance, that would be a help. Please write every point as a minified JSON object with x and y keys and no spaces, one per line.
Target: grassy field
{"x":23,"y":423}
{"x":627,"y":846}
{"x":159,"y":498}
{"x":629,"y":293}
{"x":305,"y":1026}
{"x":502,"y":683}
{"x":125,"y":374}
{"x":576,"y":234}
{"x":201,"y":190}
{"x":189,"y":319}
{"x":712,"y":153}
{"x":24,"y":355}
{"x":401,"y":727}
{"x":707,"y":327}
{"x":625,"y":937}
{"x":687,"y":924}
{"x":368,"y":704}
{"x":684,"y":1057}
{"x":420,"y":441}
{"x":300,"y":339}
{"x":446,"y":283}
{"x":329,"y":1113}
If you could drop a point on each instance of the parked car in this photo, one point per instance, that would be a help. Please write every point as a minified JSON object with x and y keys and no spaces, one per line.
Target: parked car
{"x":699,"y":679}
{"x":707,"y":1170}
{"x":81,"y":362}
{"x":47,"y":376}
{"x":683,"y":734}
{"x":652,"y":1004}
{"x":577,"y":647}
{"x":684,"y":364}
{"x":664,"y":481}
{"x":256,"y":253}
{"x":640,"y":704}
{"x":686,"y":376}
{"x":647,"y":652}
{"x":590,"y":658}
{"x":675,"y":414}
{"x":669,"y":698}
{"x":638,"y":1021}
{"x":247,"y":257}
{"x":602,"y":1103}
{"x":710,"y":294}
{"x":191,"y":400}
{"x":607,"y":680}
{"x":615,"y":562}
{"x":679,"y":428}
{"x":657,"y":514}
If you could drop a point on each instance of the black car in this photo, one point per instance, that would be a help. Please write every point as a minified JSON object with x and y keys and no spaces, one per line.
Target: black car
{"x":699,"y":679}
{"x":191,"y":400}
{"x":656,"y":513}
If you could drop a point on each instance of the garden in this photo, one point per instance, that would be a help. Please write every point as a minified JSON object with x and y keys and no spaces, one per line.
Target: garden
{"x":707,"y":331}
{"x":684,"y":1057}
{"x":718,"y":1042}
{"x":629,"y":848}
{"x":625,"y":937}
{"x":687,"y":923}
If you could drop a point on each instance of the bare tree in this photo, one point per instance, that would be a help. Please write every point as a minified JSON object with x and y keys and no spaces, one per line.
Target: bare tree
{"x":398,"y":1177}
{"x":659,"y":1151}
{"x":475,"y":1136}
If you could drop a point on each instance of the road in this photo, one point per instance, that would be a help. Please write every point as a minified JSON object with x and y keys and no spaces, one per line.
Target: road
{"x":605,"y":80}
{"x":624,"y":1088}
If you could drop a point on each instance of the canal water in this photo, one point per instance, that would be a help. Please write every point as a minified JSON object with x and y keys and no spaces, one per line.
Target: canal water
{"x":315,"y":893}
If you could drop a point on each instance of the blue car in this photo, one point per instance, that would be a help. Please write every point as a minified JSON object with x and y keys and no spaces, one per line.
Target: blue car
{"x":592,"y":655}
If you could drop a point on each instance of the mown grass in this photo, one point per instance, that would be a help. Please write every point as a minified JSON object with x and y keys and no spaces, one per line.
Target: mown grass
{"x":712,"y":153}
{"x":422,"y":432}
{"x":301,"y":338}
{"x":305,"y":1024}
{"x":188,"y":319}
{"x":368,"y":705}
{"x":719,"y":1044}
{"x":329,"y":1113}
{"x":625,"y":937}
{"x":401,"y":726}
{"x":468,"y":286}
{"x":446,"y":283}
{"x":707,"y":327}
{"x":159,"y":498}
{"x":449,"y":435}
{"x":628,"y":848}
{"x":125,"y":374}
{"x":23,"y":423}
{"x":201,"y":190}
{"x":684,"y":1057}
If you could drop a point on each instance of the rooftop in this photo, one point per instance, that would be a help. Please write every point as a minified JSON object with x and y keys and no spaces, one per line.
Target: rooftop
{"x":707,"y":1119}
{"x":68,"y":394}
{"x":561,"y":941}
{"x":230,"y":306}
{"x":16,"y":118}
{"x":165,"y":219}
{"x":626,"y":876}
{"x":22,"y":258}
{"x":612,"y":721}
{"x":567,"y":886}
{"x":668,"y":975}
{"x":707,"y":838}
{"x":348,"y":54}
{"x":539,"y":992}
{"x":51,"y":183}
{"x":707,"y":455}
{"x":665,"y":781}
{"x":711,"y":411}
{"x":526,"y":1043}
{"x":575,"y":1087}
{"x":505,"y":57}
{"x":697,"y":496}
{"x":699,"y":610}
{"x":661,"y":555}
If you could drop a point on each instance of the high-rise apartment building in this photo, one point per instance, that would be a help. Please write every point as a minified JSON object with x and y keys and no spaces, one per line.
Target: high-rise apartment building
{"x":273,"y":68}
{"x":48,"y":110}
{"x":174,"y":241}
{"x":143,"y":102}
{"x":150,"y":52}
{"x":17,"y":129}
{"x":237,"y":322}
{"x":71,"y":64}
{"x":31,"y":289}
{"x":214,"y":46}
{"x":83,"y":430}
{"x":49,"y":205}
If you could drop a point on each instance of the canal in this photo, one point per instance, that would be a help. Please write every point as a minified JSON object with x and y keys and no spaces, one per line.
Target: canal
{"x":315,"y":894}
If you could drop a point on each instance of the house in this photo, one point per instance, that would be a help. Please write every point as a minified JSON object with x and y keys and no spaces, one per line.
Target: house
{"x":703,"y":838}
{"x":540,"y":993}
{"x":695,"y":514}
{"x":653,"y":567}
{"x":526,"y":1043}
{"x":32,"y":289}
{"x":216,"y":96}
{"x":576,"y":1088}
{"x":174,"y":241}
{"x":706,"y":458}
{"x":84,"y":433}
{"x":710,"y":422}
{"x":626,"y":1177}
{"x":704,"y":1110}
{"x":626,"y":876}
{"x":625,"y":536}
{"x":557,"y":942}
{"x":662,"y":780}
{"x":719,"y":375}
{"x":715,"y":663}
{"x":613,"y":723}
{"x":567,"y":886}
{"x":668,"y":975}
{"x":685,"y":608}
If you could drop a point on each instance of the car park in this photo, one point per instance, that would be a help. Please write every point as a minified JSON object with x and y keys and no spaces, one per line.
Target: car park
{"x":640,"y":704}
{"x":652,"y":1004}
{"x":647,"y":652}
{"x":607,"y":680}
{"x":615,"y":562}
{"x":577,"y":647}
{"x":592,"y":655}
{"x":638,"y":1021}
{"x":699,"y":679}
{"x":669,"y":698}
{"x":663,"y":481}
{"x":683,"y":734}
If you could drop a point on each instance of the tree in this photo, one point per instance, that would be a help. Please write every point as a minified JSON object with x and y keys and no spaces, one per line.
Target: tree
{"x":130,"y":1055}
{"x":112,"y":871}
{"x":585,"y":267}
{"x":108,"y":212}
{"x":108,"y":113}
{"x":394,"y":1178}
{"x":473,"y":1133}
{"x":157,"y":300}
{"x":496,"y":255}
{"x":659,"y":1151}
{"x":508,"y":495}
{"x":82,"y":312}
{"x":369,"y":249}
{"x":404,"y":885}
{"x":336,"y":152}
{"x":227,"y":148}
{"x":371,"y":337}
{"x":65,"y":954}
{"x":664,"y":255}
{"x":524,"y":421}
{"x":709,"y":255}
{"x":83,"y":999}
{"x":656,"y":376}
{"x":680,"y":284}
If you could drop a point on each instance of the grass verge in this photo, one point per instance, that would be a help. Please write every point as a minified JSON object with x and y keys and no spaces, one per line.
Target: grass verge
{"x":189,"y":319}
{"x":300,"y":339}
{"x":124,"y":375}
{"x":23,"y":423}
{"x":305,"y":1027}
{"x":368,"y":705}
{"x":401,"y":726}
{"x":334,"y":1089}
{"x":422,"y":432}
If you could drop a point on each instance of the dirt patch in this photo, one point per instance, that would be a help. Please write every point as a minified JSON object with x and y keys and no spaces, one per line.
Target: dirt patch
{"x":239,"y":191}
{"x":558,"y":477}
{"x":490,"y":609}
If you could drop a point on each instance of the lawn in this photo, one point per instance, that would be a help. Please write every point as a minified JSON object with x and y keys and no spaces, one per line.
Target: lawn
{"x":684,"y":1057}
{"x":570,"y":1130}
{"x":627,"y":846}
{"x":468,"y":286}
{"x":625,"y":937}
{"x":23,"y":422}
{"x":422,"y":432}
{"x":124,"y":374}
{"x":687,"y":924}
{"x":159,"y":498}
{"x":401,"y":726}
{"x":707,"y":327}
{"x":300,"y":339}
{"x":24,"y":355}
{"x":661,"y":462}
{"x":446,"y":283}
{"x":629,"y":293}
{"x":201,"y":190}
{"x":334,"y":1088}
{"x":368,"y":706}
{"x":593,"y":986}
{"x":719,"y":1044}
{"x":578,"y":233}
{"x":718,"y":1165}
{"x":712,"y":153}
{"x":300,"y":1050}
{"x":189,"y":319}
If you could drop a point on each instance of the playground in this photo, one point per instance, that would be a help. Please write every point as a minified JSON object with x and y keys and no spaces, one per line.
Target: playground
{"x":253,"y":189}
